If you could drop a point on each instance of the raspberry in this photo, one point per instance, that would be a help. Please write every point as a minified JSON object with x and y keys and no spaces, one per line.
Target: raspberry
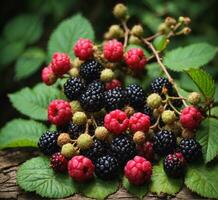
{"x":190,"y":117}
{"x":114,"y":99}
{"x":123,"y":148}
{"x":73,"y":88}
{"x":164,"y":142}
{"x":139,"y":122}
{"x":154,"y":100}
{"x":135,"y":95}
{"x":174,"y":165}
{"x":112,"y":84}
{"x":92,"y":100}
{"x":160,"y":84}
{"x":59,"y":112}
{"x":90,"y":70}
{"x":60,"y":63}
{"x":75,"y":130}
{"x":106,"y":167}
{"x":83,"y":49}
{"x":58,"y":162}
{"x":146,"y":150}
{"x":48,"y":76}
{"x":191,"y":149}
{"x":98,"y":149}
{"x":135,"y":59}
{"x":113,"y":50}
{"x":81,"y":168}
{"x":116,"y":121}
{"x":138,"y":170}
{"x":48,"y":142}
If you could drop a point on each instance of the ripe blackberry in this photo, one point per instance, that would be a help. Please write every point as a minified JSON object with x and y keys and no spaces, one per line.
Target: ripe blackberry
{"x":164,"y":142}
{"x":123,"y":148}
{"x":98,"y":149}
{"x":73,"y":88}
{"x":96,"y":85}
{"x":135,"y":95}
{"x":191,"y":149}
{"x":92,"y":99}
{"x":106,"y":167}
{"x":75,"y":130}
{"x":90,"y":70}
{"x":174,"y":165}
{"x":148,"y":111}
{"x":158,"y":84}
{"x":48,"y":142}
{"x":114,"y":99}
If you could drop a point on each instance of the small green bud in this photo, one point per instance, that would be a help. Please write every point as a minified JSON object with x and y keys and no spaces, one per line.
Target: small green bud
{"x":169,"y":21}
{"x":163,"y":28}
{"x":115,"y":31}
{"x":84,"y":141}
{"x":154,"y":100}
{"x":79,"y":118}
{"x":194,"y":98}
{"x":137,"y":30}
{"x":120,"y":11}
{"x":134,"y":40}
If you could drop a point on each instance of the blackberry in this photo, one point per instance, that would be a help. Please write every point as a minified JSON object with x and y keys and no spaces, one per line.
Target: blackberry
{"x":164,"y":142}
{"x":90,"y":70}
{"x":191,"y":149}
{"x":106,"y":167}
{"x":73,"y":88}
{"x":75,"y":130}
{"x":96,"y":85}
{"x":48,"y":142}
{"x":148,"y":111}
{"x":114,"y":99}
{"x":174,"y":165}
{"x":158,"y":84}
{"x":92,"y":99}
{"x":98,"y":149}
{"x":135,"y":95}
{"x":123,"y":148}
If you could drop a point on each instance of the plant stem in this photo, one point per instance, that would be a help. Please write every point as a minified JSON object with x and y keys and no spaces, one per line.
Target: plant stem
{"x":126,"y":34}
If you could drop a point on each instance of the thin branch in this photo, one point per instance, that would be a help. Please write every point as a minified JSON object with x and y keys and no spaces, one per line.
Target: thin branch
{"x":126,"y":34}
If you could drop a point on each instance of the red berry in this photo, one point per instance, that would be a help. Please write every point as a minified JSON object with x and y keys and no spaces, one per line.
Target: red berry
{"x":60,"y":63}
{"x":113,"y":84}
{"x":113,"y":50}
{"x":135,"y":59}
{"x":139,"y":122}
{"x":116,"y":121}
{"x":81,"y":168}
{"x":146,"y":150}
{"x":59,"y":112}
{"x":83,"y":49}
{"x":48,"y":76}
{"x":138,"y":170}
{"x":58,"y":162}
{"x":190,"y":117}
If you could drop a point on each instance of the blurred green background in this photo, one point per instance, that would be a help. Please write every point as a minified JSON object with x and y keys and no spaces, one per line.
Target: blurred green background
{"x":27,"y":24}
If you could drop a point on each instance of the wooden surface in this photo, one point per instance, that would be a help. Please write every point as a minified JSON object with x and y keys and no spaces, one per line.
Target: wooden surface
{"x":11,"y":159}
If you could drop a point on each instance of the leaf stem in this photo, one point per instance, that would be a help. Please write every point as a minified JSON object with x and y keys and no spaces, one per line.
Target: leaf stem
{"x":126,"y":33}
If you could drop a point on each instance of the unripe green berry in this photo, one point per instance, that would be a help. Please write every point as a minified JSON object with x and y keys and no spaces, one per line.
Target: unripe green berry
{"x":120,"y":11}
{"x":139,"y":137}
{"x":194,"y":98}
{"x":168,"y":116}
{"x":107,"y":75}
{"x":74,"y":72}
{"x":75,"y":105}
{"x":63,"y":138}
{"x":163,"y":28}
{"x":115,"y":31}
{"x":169,"y":21}
{"x":137,"y":30}
{"x":101,"y":133}
{"x":186,"y":30}
{"x":69,"y":150}
{"x":79,"y":118}
{"x":77,"y":62}
{"x":84,"y":141}
{"x":134,"y":40}
{"x":154,"y":100}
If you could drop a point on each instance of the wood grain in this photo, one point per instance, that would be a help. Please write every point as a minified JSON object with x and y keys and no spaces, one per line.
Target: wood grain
{"x":11,"y":159}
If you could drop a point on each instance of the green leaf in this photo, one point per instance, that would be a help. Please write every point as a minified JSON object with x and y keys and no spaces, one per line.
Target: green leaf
{"x":203,"y":180}
{"x":9,"y":52}
{"x":161,"y":183}
{"x":34,"y":102}
{"x":29,"y":62}
{"x":138,"y":190}
{"x":151,"y":21}
{"x":21,"y":133}
{"x":203,"y":81}
{"x":36,"y":175}
{"x":207,"y":136}
{"x":99,"y":189}
{"x":192,"y":56}
{"x":67,"y":33}
{"x":27,"y":28}
{"x":160,"y":42}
